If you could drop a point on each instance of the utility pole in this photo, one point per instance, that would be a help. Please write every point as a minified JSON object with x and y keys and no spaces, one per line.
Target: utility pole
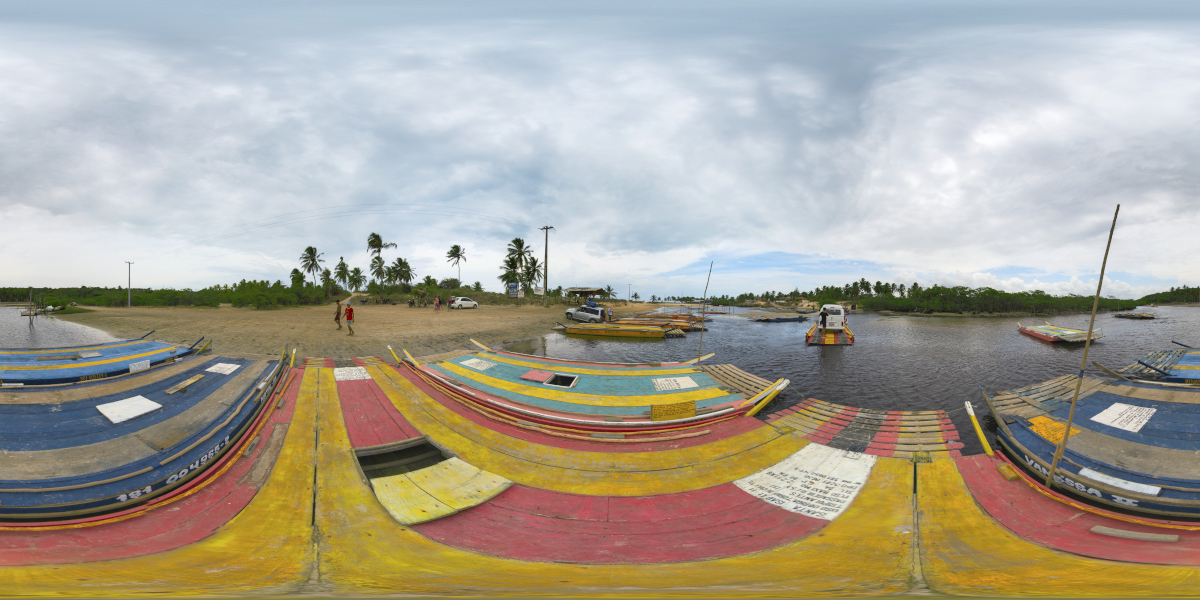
{"x":546,"y":269}
{"x":628,"y":295}
{"x":128,"y":290}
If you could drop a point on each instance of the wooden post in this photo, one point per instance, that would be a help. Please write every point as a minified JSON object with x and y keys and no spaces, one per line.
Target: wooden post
{"x":700,"y":351}
{"x":545,"y":269}
{"x":1062,"y":444}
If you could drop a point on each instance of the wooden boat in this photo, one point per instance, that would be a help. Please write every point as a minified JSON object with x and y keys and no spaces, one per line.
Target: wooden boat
{"x":798,"y":319}
{"x":830,"y":337}
{"x":69,"y":460}
{"x":1130,"y":448}
{"x":615,"y":330}
{"x":49,"y":366}
{"x":1129,"y":315}
{"x":1172,"y":367}
{"x":1053,"y":333}
{"x":583,"y":396}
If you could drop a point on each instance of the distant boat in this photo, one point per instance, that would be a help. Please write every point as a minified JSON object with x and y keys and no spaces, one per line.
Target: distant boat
{"x":1053,"y":333}
{"x":612,"y":330}
{"x":779,"y":319}
{"x":1135,"y":316}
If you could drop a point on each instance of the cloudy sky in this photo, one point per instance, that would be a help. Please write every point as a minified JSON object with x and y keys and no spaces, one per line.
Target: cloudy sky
{"x":793,"y":144}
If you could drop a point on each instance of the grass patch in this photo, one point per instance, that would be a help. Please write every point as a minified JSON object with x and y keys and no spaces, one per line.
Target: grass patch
{"x":72,"y":310}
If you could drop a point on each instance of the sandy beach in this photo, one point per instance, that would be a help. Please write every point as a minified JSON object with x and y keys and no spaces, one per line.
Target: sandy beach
{"x":250,"y":333}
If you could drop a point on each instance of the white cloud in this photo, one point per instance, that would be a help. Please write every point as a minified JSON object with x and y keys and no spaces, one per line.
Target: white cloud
{"x":962,"y":151}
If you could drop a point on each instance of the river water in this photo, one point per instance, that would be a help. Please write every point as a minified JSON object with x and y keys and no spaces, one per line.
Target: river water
{"x":46,"y":332}
{"x":899,"y":363}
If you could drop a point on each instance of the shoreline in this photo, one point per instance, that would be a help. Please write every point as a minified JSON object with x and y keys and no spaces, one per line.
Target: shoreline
{"x":251,"y":333}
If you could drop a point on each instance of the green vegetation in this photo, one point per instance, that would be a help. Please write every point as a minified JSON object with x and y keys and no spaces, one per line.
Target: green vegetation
{"x":1180,"y":294}
{"x":259,"y":294}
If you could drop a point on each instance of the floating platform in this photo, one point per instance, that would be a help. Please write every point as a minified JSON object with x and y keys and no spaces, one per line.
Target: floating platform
{"x":614,"y":330}
{"x":830,"y":337}
{"x":779,"y":319}
{"x":1053,"y":333}
{"x":49,"y":366}
{"x":1129,"y":315}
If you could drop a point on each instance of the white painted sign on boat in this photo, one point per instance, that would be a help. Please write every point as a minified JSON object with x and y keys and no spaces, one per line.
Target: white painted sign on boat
{"x":350,"y":373}
{"x":818,"y":481}
{"x":1133,"y":486}
{"x":1125,"y":416}
{"x":478,"y":364}
{"x":223,"y":368}
{"x":124,"y":410}
{"x":140,"y":366}
{"x":674,"y":383}
{"x":90,"y":355}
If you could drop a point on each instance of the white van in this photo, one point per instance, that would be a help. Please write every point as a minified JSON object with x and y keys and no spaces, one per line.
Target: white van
{"x":836,"y":319}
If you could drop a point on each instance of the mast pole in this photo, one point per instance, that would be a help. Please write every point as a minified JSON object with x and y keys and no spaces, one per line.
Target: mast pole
{"x":1062,"y":444}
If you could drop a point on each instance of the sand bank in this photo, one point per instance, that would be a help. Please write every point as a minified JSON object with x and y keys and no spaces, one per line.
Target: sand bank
{"x":251,"y":333}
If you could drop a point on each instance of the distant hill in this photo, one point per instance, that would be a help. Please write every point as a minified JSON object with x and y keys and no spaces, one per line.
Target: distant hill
{"x":1183,"y":294}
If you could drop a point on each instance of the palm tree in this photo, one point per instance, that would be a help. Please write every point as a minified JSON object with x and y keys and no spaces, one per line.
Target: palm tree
{"x":342,"y":272}
{"x":311,"y":261}
{"x":326,"y":280}
{"x":356,"y":279}
{"x":457,"y":253}
{"x":478,"y":287}
{"x":510,"y":270}
{"x":375,"y":244}
{"x":378,"y":268}
{"x":297,"y":278}
{"x":533,"y":273}
{"x":429,"y":281}
{"x":404,"y":273}
{"x":609,"y":291}
{"x":518,"y":249}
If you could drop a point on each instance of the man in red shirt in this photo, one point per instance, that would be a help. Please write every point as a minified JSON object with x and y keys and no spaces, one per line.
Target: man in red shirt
{"x":350,"y":318}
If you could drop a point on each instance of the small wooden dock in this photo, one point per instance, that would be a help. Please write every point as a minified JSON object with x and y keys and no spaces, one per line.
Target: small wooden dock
{"x":1044,"y":397}
{"x":830,"y":337}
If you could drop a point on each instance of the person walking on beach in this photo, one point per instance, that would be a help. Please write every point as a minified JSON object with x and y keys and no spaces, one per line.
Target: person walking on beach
{"x":337,"y":314}
{"x":350,"y":318}
{"x":437,"y":303}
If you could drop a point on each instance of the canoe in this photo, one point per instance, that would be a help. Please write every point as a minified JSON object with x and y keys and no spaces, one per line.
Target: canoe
{"x":1129,"y":315}
{"x":117,"y":451}
{"x":1053,"y":333}
{"x":50,"y":366}
{"x":589,"y":397}
{"x":1129,"y":449}
{"x":614,"y":330}
{"x":779,"y":319}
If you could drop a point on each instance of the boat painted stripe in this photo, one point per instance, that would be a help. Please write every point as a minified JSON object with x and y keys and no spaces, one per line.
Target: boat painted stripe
{"x":77,"y":349}
{"x":570,"y":398}
{"x":369,"y":416}
{"x":596,"y":473}
{"x":83,"y":365}
{"x":362,"y":547}
{"x":596,"y":384}
{"x":964,"y":551}
{"x":626,"y":372}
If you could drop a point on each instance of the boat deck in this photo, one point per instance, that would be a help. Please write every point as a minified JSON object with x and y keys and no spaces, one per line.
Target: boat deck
{"x":831,"y":337}
{"x":25,"y":367}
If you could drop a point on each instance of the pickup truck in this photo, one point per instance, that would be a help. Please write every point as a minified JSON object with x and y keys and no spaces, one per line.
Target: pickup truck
{"x":586,"y":314}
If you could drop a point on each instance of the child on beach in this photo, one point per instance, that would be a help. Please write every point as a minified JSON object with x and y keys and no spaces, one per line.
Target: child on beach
{"x":337,"y":314}
{"x":350,"y":318}
{"x":437,"y":303}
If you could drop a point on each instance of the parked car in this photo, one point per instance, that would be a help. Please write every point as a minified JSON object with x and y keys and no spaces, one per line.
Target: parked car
{"x":836,"y":319}
{"x":461,"y":302}
{"x":586,"y":314}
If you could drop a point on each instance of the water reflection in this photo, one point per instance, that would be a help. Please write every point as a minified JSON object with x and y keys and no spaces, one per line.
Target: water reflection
{"x":899,"y":363}
{"x":46,"y":332}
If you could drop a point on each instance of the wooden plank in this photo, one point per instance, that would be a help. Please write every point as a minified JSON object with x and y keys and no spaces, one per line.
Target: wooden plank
{"x":183,"y":385}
